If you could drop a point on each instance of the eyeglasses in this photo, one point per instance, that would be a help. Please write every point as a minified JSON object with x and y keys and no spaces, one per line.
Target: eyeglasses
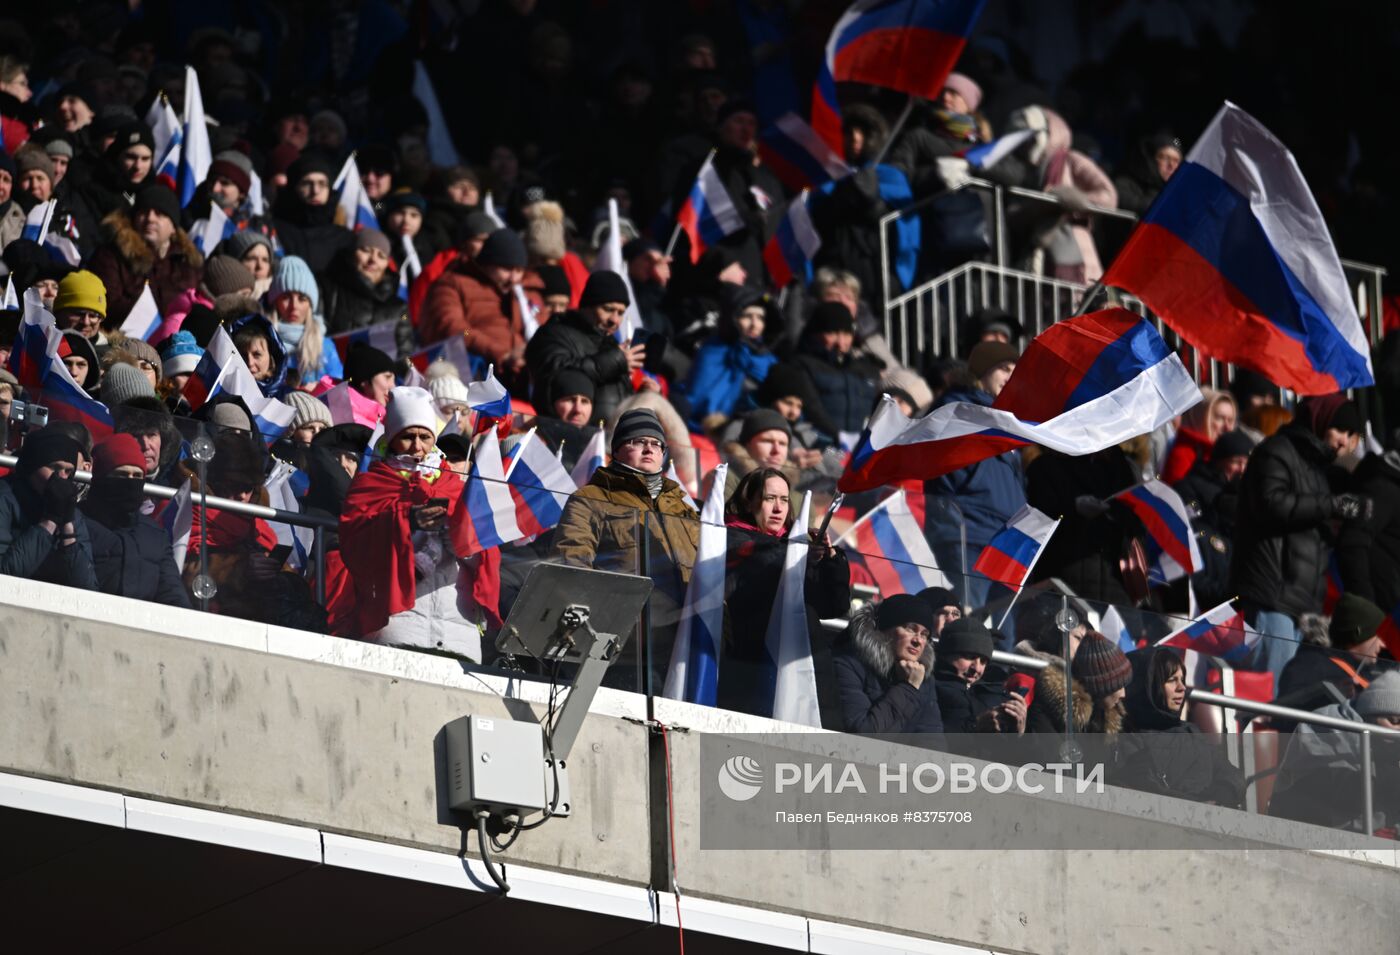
{"x":644,"y":443}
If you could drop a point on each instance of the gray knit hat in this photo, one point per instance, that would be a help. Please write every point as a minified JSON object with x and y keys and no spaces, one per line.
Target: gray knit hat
{"x":224,"y":275}
{"x":122,"y":382}
{"x":637,"y":423}
{"x":1382,"y":697}
{"x":309,"y":409}
{"x":238,"y":244}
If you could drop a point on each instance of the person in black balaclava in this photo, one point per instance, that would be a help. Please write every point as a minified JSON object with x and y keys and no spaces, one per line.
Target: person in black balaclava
{"x":42,"y":536}
{"x":131,"y":552}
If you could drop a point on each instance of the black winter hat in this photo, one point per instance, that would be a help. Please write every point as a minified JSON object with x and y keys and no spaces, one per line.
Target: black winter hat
{"x":365,"y":361}
{"x":602,"y":288}
{"x":556,"y":282}
{"x":307,"y":163}
{"x":1354,"y":619}
{"x":965,"y":637}
{"x":159,"y":198}
{"x":7,"y":164}
{"x":637,"y":423}
{"x":784,"y":381}
{"x":939,"y":597}
{"x":504,"y":248}
{"x":571,"y":381}
{"x":343,"y":439}
{"x":202,"y":323}
{"x":902,"y":609}
{"x":45,"y":446}
{"x":130,"y":134}
{"x":1100,"y":666}
{"x":238,"y":462}
{"x":763,"y":419}
{"x":1348,"y":419}
{"x":831,"y":317}
{"x":1232,"y":444}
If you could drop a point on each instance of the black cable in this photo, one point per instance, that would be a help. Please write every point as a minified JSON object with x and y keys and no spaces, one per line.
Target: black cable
{"x":482,"y":840}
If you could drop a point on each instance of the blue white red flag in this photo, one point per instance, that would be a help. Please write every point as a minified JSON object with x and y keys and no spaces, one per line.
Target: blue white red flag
{"x":1171,"y":545}
{"x":281,"y":494}
{"x":222,"y":369}
{"x":610,"y":260}
{"x":165,"y":126}
{"x":453,"y":349}
{"x":1111,"y":625}
{"x":788,"y":646}
{"x":207,"y":233}
{"x":195,"y":154}
{"x":36,"y":223}
{"x":1011,"y":555}
{"x":794,"y":245}
{"x":1084,"y":384}
{"x":380,"y":335}
{"x":356,"y":210}
{"x":486,"y":516}
{"x":144,"y":318}
{"x":594,"y":456}
{"x":905,"y":45}
{"x":708,"y":214}
{"x":989,"y":154}
{"x":1219,"y":632}
{"x":168,"y":168}
{"x":693,"y":674}
{"x":412,"y":266}
{"x":1235,"y":255}
{"x":489,"y":399}
{"x":539,"y":484}
{"x":891,"y":544}
{"x":178,"y":520}
{"x":36,"y":360}
{"x":798,"y":156}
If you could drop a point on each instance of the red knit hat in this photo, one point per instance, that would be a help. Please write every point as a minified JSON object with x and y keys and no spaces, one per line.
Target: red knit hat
{"x":112,"y":452}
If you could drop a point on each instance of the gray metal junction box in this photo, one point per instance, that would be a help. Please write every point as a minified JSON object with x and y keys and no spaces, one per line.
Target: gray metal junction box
{"x":495,"y":764}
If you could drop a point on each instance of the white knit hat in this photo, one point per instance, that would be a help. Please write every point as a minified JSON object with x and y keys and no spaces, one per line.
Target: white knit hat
{"x":309,"y":409}
{"x":448,"y":388}
{"x":440,"y":368}
{"x":409,"y":407}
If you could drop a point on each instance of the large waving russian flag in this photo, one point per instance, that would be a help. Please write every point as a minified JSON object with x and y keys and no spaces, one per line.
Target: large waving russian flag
{"x":1084,"y":384}
{"x":486,"y":516}
{"x":794,"y":245}
{"x":708,"y":214}
{"x":693,"y":674}
{"x":35,"y":360}
{"x":891,"y":544}
{"x":1011,"y":555}
{"x":905,"y":45}
{"x":1235,"y":256}
{"x":1219,"y":632}
{"x":1171,"y":544}
{"x":539,"y":484}
{"x":799,"y":157}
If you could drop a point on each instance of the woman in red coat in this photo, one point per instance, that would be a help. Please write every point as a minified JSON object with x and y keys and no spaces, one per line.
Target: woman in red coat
{"x":1200,"y":426}
{"x":393,"y":536}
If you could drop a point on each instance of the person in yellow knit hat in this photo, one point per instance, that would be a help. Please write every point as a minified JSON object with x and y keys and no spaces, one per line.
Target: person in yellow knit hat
{"x":82,"y":306}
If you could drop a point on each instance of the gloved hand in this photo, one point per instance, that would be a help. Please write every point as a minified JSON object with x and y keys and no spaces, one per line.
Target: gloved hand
{"x":953,"y":170}
{"x":60,"y":499}
{"x":1089,"y":506}
{"x":1352,"y":506}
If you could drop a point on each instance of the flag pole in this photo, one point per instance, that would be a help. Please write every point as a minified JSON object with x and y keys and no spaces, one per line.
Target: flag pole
{"x":1089,"y":297}
{"x":1029,"y":570}
{"x":895,"y":130}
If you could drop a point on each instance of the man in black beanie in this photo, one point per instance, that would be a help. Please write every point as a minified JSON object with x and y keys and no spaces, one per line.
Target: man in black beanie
{"x":147,"y":245}
{"x":583,"y":340}
{"x":845,"y":385}
{"x":304,"y":213}
{"x":602,"y":523}
{"x":42,"y":534}
{"x":968,"y":702}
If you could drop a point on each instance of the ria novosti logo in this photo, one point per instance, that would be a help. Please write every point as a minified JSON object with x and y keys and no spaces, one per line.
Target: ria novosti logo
{"x":740,"y":778}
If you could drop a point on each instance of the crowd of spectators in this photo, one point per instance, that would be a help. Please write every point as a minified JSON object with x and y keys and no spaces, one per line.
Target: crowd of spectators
{"x":492,"y":204}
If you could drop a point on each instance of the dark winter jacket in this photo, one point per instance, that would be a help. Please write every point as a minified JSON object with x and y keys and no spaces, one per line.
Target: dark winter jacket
{"x":309,"y":232}
{"x":1368,"y":552}
{"x":754,"y":571}
{"x":571,"y":341}
{"x":1213,"y":503}
{"x":962,"y":705}
{"x":28,"y":550}
{"x":845,"y":386}
{"x":1084,"y":552}
{"x":132,"y":557}
{"x":1280,"y":559}
{"x":1161,"y":753}
{"x":1096,"y":729}
{"x":987,"y":493}
{"x":1300,"y":686}
{"x":125,"y":263}
{"x":350,"y":302}
{"x":873,"y":699}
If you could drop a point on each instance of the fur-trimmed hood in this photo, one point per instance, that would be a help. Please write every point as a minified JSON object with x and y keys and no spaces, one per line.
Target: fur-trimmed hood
{"x":139,"y":256}
{"x":1050,"y":689}
{"x":874,"y":647}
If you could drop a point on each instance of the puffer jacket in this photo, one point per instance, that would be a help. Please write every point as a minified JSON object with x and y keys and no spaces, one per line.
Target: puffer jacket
{"x":132,"y":557}
{"x":465,"y":300}
{"x":728,"y":367}
{"x":1280,"y":558}
{"x":844,"y":385}
{"x":125,"y":263}
{"x":350,"y":302}
{"x":571,"y":341}
{"x":600,"y":528}
{"x":873,"y":700}
{"x":27,"y":550}
{"x":987,"y":493}
{"x":1368,"y":552}
{"x":1096,"y":729}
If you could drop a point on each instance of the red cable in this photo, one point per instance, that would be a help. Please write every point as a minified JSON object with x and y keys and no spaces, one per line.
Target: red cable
{"x":671,"y":819}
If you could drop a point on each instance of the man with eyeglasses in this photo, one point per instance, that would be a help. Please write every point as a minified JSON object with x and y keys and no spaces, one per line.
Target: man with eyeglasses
{"x":304,"y":212}
{"x":42,"y":535}
{"x":604,"y":522}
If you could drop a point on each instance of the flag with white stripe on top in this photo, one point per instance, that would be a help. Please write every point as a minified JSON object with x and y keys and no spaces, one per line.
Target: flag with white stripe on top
{"x":791,"y":673}
{"x":693,"y":674}
{"x":144,"y":318}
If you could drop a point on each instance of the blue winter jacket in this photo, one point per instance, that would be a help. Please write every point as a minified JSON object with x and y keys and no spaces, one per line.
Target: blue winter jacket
{"x":716,"y":381}
{"x":987,"y":493}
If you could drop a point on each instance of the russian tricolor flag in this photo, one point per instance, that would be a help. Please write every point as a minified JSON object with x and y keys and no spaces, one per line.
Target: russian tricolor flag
{"x":708,"y":214}
{"x":787,"y":642}
{"x":144,"y":318}
{"x":165,"y":126}
{"x":794,"y":245}
{"x":693,"y":674}
{"x":1012,"y":553}
{"x":36,"y":223}
{"x":35,"y":361}
{"x":354,"y":204}
{"x":799,"y":157}
{"x":594,"y":456}
{"x":989,"y":154}
{"x":168,"y":169}
{"x":540,"y":486}
{"x":489,"y":399}
{"x":1084,"y":384}
{"x":469,"y":366}
{"x":29,"y":355}
{"x":891,"y":544}
{"x":1219,"y":632}
{"x":380,"y":335}
{"x":905,"y":45}
{"x":178,"y":519}
{"x":1235,"y":255}
{"x":1171,"y":543}
{"x":195,"y":154}
{"x":221,"y":368}
{"x":207,"y":233}
{"x":486,"y":516}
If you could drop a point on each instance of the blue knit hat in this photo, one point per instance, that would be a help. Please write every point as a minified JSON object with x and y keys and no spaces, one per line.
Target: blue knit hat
{"x":181,"y":355}
{"x":294,"y":275}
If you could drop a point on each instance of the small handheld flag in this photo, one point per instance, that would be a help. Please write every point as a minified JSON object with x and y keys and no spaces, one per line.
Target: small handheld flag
{"x":889,"y":541}
{"x":594,"y":456}
{"x":144,"y":318}
{"x":693,"y":674}
{"x":489,"y":399}
{"x":486,"y":516}
{"x":1171,"y":544}
{"x":1011,"y":555}
{"x":353,"y":204}
{"x":708,"y":214}
{"x":791,"y":672}
{"x":794,"y":245}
